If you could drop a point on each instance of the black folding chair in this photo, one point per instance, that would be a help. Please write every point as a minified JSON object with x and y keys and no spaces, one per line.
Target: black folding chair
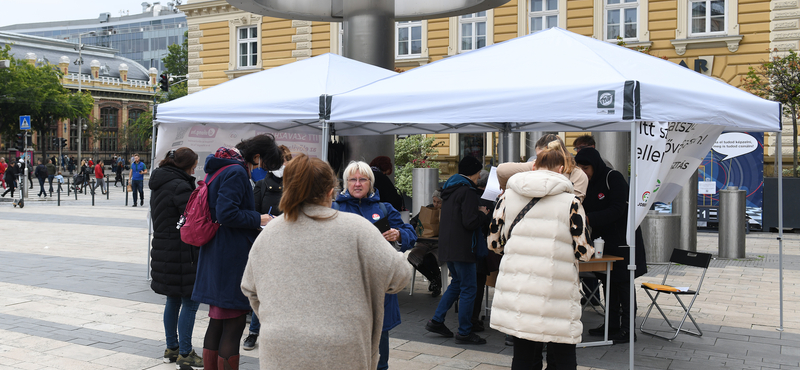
{"x":682,"y":257}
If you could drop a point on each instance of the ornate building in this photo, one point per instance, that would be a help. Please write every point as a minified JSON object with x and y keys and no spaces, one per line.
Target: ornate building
{"x":122,"y":90}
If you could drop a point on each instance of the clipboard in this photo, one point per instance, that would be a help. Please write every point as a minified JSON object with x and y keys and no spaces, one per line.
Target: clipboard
{"x":382,"y":225}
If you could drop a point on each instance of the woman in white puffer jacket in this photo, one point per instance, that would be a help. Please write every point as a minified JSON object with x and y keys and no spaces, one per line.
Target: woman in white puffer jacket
{"x":537,"y":297}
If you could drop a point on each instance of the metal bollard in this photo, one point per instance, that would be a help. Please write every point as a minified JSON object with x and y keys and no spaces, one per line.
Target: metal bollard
{"x":92,"y":192}
{"x":68,"y":186}
{"x":126,"y":192}
{"x":660,"y":231}
{"x":59,"y":195}
{"x":732,"y":222}
{"x":108,"y":189}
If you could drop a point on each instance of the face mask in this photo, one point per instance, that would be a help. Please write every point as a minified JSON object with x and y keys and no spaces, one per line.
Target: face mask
{"x":279,"y":172}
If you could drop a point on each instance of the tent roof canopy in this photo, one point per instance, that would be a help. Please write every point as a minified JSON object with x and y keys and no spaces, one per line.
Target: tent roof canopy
{"x":551,"y":80}
{"x":279,"y":98}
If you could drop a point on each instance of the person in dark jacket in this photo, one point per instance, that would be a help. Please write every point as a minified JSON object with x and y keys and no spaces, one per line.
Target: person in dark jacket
{"x":267,"y":193}
{"x":460,"y":238}
{"x":361,"y":198}
{"x":51,"y":173}
{"x":606,"y":206}
{"x":11,"y":178}
{"x":222,"y":260}
{"x":41,"y":174}
{"x":381,"y":169}
{"x":174,"y":263}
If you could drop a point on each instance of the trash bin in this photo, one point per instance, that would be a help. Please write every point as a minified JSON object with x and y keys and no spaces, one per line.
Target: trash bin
{"x":660,"y":232}
{"x":732,"y":223}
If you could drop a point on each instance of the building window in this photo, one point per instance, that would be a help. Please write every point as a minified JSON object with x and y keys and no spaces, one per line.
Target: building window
{"x":472,"y":145}
{"x":472,"y":28}
{"x":248,"y":46}
{"x":108,"y":117}
{"x":707,"y":17}
{"x":622,"y":19}
{"x":409,"y":39}
{"x":134,"y":144}
{"x":543,"y":14}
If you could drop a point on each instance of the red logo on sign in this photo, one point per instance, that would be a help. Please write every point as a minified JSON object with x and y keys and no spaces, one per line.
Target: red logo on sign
{"x":376,"y":216}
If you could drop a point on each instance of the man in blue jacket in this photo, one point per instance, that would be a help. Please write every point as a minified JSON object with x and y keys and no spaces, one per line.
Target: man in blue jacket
{"x":460,"y":241}
{"x":138,"y":169}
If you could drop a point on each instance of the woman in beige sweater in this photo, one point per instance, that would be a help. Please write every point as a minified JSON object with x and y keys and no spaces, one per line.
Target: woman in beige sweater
{"x":316,"y":278}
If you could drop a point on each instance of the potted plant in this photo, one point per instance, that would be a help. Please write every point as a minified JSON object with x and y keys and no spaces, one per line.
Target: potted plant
{"x":411,"y":152}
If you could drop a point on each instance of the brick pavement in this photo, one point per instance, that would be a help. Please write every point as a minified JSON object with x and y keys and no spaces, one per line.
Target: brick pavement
{"x":74,"y":295}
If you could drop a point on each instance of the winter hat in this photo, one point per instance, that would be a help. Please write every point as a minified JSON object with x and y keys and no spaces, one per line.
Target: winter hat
{"x":469,"y":166}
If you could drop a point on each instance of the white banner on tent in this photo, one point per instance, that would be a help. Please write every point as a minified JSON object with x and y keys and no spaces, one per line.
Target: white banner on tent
{"x":667,"y":153}
{"x":206,"y":139}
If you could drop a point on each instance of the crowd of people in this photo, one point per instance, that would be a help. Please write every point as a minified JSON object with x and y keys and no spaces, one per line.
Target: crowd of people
{"x":298,"y":248}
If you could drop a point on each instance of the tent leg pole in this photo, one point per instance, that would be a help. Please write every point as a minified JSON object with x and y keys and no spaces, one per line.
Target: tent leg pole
{"x":779,"y":167}
{"x":326,"y":136}
{"x":632,"y":242}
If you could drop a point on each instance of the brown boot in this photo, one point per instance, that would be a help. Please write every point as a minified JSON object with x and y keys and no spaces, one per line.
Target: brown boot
{"x":231,"y":363}
{"x":210,"y":359}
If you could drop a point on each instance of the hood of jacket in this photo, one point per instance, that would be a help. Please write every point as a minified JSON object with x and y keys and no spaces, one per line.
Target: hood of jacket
{"x":592,"y":157}
{"x":453,"y":183}
{"x":162,"y":175}
{"x":539,"y":183}
{"x":213,"y":164}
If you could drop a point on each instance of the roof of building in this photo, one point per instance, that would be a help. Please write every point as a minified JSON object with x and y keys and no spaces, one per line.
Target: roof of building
{"x":52,"y":50}
{"x":105,"y":19}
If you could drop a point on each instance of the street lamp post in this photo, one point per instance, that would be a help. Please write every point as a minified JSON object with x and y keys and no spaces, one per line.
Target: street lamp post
{"x":80,"y":81}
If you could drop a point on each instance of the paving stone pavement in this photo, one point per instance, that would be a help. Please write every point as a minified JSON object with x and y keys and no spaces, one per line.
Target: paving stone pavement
{"x":74,"y":294}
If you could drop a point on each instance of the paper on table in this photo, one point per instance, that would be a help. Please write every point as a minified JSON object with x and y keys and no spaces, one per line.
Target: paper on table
{"x":682,"y":288}
{"x":492,"y":186}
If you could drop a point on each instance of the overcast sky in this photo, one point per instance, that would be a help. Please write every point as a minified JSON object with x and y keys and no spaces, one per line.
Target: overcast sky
{"x":30,"y":11}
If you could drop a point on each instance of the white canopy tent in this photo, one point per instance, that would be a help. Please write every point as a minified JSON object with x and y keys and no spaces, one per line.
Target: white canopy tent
{"x":555,"y":80}
{"x":285,"y":98}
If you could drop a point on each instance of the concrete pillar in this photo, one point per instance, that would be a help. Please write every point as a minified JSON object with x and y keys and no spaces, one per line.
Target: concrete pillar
{"x":369,"y":37}
{"x":685,"y":204}
{"x":615,"y":147}
{"x":509,"y":147}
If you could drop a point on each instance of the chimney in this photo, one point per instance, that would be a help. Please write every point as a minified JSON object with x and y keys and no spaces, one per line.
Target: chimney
{"x":63,"y":63}
{"x":95,"y":66}
{"x":145,"y":5}
{"x":123,"y":72}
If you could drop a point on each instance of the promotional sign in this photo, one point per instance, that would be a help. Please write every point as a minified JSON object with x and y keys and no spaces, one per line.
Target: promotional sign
{"x":206,"y":139}
{"x":736,"y":159}
{"x":667,"y":153}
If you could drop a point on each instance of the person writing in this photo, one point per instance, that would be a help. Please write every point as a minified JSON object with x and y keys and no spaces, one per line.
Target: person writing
{"x":537,"y":296}
{"x":317,"y":278}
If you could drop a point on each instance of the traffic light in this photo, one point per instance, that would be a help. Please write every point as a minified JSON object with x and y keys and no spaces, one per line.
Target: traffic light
{"x":55,"y":142}
{"x":63,"y":142}
{"x":164,"y":81}
{"x":20,"y":142}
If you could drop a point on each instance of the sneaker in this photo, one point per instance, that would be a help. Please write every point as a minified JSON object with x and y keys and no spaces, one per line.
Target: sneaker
{"x":250,"y":342}
{"x":622,"y":337}
{"x":472,"y":338}
{"x":170,"y":355}
{"x":438,"y":328}
{"x":189,"y":362}
{"x":141,"y":204}
{"x":477,"y":326}
{"x":509,"y":340}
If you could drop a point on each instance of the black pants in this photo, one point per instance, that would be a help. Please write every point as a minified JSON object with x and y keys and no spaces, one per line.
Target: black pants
{"x":476,"y":308}
{"x":619,"y":314}
{"x":430,"y":268}
{"x":528,"y":356}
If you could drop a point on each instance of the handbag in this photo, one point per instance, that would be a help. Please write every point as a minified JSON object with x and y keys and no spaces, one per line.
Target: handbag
{"x":129,"y":189}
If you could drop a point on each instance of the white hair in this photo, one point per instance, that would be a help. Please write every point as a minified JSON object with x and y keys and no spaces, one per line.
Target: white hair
{"x":362,"y":168}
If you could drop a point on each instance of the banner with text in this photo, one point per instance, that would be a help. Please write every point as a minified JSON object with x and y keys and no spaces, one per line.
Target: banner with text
{"x":667,"y":153}
{"x":206,"y":139}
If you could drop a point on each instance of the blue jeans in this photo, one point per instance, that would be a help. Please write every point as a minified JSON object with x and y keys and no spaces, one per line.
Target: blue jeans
{"x":182,"y":324}
{"x":383,"y":351}
{"x":255,"y":325}
{"x":137,"y":186}
{"x":462,"y":288}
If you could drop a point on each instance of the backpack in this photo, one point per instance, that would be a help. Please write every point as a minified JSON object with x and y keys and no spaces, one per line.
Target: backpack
{"x":196,"y":225}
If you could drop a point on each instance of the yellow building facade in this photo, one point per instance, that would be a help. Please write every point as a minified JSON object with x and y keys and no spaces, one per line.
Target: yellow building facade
{"x":719,"y":38}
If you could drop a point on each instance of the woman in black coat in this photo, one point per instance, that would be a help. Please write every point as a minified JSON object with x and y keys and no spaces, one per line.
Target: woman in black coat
{"x":11,"y":178}
{"x":174,"y":263}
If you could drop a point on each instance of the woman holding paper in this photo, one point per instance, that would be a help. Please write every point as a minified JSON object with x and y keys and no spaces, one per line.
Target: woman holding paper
{"x":537,"y":296}
{"x":361,"y":198}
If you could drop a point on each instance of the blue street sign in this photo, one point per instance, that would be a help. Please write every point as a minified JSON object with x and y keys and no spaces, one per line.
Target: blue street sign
{"x":24,"y":122}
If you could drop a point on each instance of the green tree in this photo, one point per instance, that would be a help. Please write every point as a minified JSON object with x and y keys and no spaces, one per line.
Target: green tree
{"x":415,"y":151}
{"x":27,"y":89}
{"x":176,"y":63}
{"x":779,"y":80}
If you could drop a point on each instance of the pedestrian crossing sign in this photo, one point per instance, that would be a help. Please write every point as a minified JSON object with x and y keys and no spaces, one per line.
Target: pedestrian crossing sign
{"x":24,"y":122}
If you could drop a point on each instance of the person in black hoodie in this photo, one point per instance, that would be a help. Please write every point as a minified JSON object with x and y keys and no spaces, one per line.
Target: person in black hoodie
{"x":382,"y":168}
{"x":606,"y":206}
{"x":11,"y":178}
{"x":174,"y":263}
{"x":460,"y":243}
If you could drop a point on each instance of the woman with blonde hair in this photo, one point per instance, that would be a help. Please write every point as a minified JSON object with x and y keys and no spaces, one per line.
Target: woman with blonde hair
{"x":316,"y":278}
{"x":537,"y":296}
